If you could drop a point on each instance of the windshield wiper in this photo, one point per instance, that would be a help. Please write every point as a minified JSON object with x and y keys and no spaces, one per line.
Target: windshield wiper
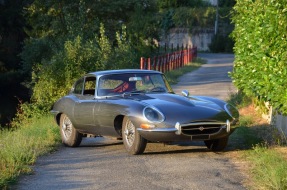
{"x":133,"y":92}
{"x":157,"y":89}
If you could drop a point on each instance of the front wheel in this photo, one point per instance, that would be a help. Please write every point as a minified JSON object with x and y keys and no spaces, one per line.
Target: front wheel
{"x":70,"y":136}
{"x":134,"y":143}
{"x":217,"y":144}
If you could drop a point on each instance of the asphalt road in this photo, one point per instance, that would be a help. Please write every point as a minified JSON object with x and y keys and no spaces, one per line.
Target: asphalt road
{"x":102,"y":163}
{"x":211,"y":79}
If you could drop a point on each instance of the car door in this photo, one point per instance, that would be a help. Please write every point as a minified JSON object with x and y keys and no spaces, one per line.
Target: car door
{"x":86,"y":106}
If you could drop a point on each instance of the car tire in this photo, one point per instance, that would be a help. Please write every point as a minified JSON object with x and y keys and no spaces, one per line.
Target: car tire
{"x":217,"y":144}
{"x":133,"y":142}
{"x":70,"y":136}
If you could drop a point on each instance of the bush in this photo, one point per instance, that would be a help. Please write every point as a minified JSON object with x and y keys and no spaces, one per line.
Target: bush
{"x":260,"y":68}
{"x":55,"y":78}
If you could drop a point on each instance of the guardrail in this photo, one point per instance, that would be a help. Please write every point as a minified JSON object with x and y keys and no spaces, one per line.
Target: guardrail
{"x":169,"y":61}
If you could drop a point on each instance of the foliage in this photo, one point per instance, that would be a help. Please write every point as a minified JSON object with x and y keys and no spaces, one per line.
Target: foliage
{"x":53,"y":23}
{"x":202,"y":17}
{"x":166,"y":4}
{"x":124,"y":53}
{"x":240,"y":99}
{"x":185,"y":14}
{"x":55,"y":78}
{"x":70,"y":38}
{"x":226,"y":3}
{"x":269,"y":168}
{"x":260,"y":48}
{"x":20,"y":148}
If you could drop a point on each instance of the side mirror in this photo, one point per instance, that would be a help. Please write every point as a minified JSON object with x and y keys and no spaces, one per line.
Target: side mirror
{"x":185,"y":93}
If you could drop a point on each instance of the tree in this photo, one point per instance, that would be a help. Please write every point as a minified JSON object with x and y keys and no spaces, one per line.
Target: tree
{"x":76,"y":37}
{"x":11,"y":75}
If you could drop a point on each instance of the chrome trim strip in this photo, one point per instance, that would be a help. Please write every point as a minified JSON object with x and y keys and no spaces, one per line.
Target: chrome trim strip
{"x":193,"y":129}
{"x":167,"y":130}
{"x":202,"y":123}
{"x":54,"y":112}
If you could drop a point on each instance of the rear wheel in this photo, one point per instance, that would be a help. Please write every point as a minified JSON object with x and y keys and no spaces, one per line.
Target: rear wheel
{"x":133,"y":142}
{"x":217,"y":144}
{"x":70,"y":136}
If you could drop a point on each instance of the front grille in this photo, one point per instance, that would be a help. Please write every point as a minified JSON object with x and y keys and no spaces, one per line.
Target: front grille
{"x":201,"y":128}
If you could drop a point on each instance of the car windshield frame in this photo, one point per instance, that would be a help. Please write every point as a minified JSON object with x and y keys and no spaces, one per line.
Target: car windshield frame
{"x":122,"y":84}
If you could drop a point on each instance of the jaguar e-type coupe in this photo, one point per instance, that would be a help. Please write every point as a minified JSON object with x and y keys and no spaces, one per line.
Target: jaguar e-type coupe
{"x":139,"y":106}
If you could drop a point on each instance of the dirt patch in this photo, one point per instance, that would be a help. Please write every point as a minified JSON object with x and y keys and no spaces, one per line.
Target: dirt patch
{"x":251,"y":110}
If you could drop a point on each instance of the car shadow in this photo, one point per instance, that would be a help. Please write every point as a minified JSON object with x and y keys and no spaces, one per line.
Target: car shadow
{"x":170,"y":148}
{"x":182,"y":151}
{"x":99,"y":142}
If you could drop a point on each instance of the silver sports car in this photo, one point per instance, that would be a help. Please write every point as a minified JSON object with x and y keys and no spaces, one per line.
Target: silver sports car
{"x":139,"y":106}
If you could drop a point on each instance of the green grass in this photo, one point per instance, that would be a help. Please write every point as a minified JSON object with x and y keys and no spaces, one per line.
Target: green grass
{"x":258,"y":145}
{"x":269,"y":168}
{"x":172,"y":76}
{"x":21,"y":147}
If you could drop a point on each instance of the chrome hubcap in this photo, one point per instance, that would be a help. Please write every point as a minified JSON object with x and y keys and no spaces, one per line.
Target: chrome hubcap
{"x":130,"y":133}
{"x":67,"y":127}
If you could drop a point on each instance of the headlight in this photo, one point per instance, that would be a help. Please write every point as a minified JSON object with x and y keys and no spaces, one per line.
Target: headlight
{"x":231,"y":110}
{"x":153,"y":115}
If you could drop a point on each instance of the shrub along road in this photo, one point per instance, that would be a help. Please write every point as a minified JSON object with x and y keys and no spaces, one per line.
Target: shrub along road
{"x":101,"y":163}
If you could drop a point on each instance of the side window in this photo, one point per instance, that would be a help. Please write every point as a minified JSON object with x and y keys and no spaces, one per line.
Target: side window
{"x":78,"y":88}
{"x":90,"y":85}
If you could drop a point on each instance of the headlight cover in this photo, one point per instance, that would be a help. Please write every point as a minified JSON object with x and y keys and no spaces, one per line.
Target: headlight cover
{"x":153,"y":115}
{"x":231,"y":110}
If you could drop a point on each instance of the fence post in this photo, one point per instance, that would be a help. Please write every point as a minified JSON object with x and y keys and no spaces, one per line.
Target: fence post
{"x":190,"y":54}
{"x":148,"y":64}
{"x":162,"y":63}
{"x":154,"y":63}
{"x":142,"y":63}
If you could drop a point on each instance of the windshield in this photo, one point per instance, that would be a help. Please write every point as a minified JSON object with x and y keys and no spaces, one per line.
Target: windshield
{"x":118,"y":84}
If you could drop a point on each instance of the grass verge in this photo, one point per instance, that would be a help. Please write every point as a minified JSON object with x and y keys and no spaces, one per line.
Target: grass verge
{"x":21,"y":147}
{"x":268,"y":169}
{"x":259,"y":144}
{"x":172,"y":76}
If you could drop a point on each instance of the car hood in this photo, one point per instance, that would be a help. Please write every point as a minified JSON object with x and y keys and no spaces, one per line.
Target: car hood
{"x":184,"y":109}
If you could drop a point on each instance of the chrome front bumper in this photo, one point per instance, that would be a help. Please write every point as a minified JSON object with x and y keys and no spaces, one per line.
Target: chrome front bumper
{"x":179,"y":131}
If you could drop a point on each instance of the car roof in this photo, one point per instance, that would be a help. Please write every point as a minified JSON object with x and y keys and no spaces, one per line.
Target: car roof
{"x":122,"y":71}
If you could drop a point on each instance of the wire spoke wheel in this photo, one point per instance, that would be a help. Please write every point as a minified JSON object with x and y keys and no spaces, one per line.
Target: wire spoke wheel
{"x":134,"y":143}
{"x":70,"y":136}
{"x":129,"y":133}
{"x":67,"y":127}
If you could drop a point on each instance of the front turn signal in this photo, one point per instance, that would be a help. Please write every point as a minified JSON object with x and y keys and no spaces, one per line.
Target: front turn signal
{"x":147,"y":126}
